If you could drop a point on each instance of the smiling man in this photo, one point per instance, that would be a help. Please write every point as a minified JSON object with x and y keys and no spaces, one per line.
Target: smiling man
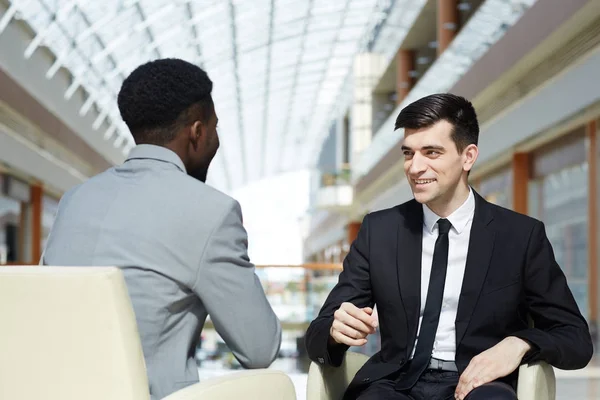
{"x":454,"y":278}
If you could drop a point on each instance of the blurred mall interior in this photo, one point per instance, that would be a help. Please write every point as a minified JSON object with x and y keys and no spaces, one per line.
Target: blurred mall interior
{"x":307,"y":93}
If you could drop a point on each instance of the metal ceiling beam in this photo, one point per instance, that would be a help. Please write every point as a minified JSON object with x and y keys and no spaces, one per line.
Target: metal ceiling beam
{"x":288,"y":113}
{"x":8,"y":16}
{"x":151,"y":47}
{"x":297,"y":35}
{"x":324,"y":14}
{"x":92,"y":31}
{"x":267,"y":87}
{"x":77,"y":78}
{"x":99,"y":40}
{"x":147,"y":28}
{"x":198,"y":45}
{"x":387,"y":7}
{"x":368,"y":45}
{"x":164,"y":37}
{"x":195,"y":35}
{"x":324,"y":75}
{"x":285,"y":73}
{"x":275,"y":90}
{"x":60,"y":60}
{"x":209,"y":11}
{"x":238,"y":93}
{"x":226,"y":55}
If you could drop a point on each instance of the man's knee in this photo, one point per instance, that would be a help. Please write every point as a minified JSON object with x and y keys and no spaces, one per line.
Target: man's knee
{"x":382,"y":389}
{"x":493,"y":391}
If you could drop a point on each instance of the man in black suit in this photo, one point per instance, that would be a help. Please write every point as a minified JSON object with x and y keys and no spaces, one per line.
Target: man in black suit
{"x":454,"y":278}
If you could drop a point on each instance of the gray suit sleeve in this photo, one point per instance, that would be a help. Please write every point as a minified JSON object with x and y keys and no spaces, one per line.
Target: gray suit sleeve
{"x":233,"y":295}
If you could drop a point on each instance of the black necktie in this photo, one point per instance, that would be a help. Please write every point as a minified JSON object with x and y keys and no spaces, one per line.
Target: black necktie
{"x":431,"y":314}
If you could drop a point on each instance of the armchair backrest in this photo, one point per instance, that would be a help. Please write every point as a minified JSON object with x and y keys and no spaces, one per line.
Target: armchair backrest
{"x":68,"y":333}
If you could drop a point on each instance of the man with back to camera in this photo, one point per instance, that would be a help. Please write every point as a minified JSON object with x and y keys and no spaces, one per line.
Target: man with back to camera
{"x":180,"y":243}
{"x":454,"y":279}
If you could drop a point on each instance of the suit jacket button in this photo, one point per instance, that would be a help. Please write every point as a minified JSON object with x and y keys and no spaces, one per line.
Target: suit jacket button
{"x":321,"y":360}
{"x":366,"y":379}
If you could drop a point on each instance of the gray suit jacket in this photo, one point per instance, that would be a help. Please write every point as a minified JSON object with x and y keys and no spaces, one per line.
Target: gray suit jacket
{"x":183,"y":251}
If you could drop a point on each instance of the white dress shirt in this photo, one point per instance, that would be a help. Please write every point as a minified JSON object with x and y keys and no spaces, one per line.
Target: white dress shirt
{"x":444,"y":347}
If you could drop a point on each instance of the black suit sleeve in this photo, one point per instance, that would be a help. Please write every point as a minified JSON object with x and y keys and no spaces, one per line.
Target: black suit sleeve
{"x":354,"y":286}
{"x":560,"y":335}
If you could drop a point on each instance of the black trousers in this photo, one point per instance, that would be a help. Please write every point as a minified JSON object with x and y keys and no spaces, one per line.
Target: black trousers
{"x":435,"y":385}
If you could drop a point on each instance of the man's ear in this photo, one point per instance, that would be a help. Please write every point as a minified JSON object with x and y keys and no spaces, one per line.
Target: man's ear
{"x":470,"y":154}
{"x":197,"y":134}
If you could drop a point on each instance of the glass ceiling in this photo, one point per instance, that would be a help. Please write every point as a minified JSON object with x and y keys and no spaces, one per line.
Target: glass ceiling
{"x":277,"y":65}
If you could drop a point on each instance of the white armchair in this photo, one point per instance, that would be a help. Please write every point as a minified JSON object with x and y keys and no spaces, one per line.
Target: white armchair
{"x":70,"y":334}
{"x":536,"y":381}
{"x":253,"y":384}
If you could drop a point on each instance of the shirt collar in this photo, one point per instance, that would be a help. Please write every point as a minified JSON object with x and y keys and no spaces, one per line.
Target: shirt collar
{"x":459,"y":218}
{"x":160,"y":153}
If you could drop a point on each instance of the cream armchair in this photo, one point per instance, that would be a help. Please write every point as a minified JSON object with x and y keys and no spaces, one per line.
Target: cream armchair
{"x":70,"y":334}
{"x":536,"y":382}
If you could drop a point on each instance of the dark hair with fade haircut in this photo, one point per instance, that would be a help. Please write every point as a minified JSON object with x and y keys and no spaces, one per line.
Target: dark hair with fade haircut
{"x":454,"y":109}
{"x":155,"y":99}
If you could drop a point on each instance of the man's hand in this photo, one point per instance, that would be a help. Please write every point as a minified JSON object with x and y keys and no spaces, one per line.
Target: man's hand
{"x":494,"y":363}
{"x":351,"y":325}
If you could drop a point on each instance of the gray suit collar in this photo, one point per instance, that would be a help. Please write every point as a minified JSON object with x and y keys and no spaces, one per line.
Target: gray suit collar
{"x":149,"y":151}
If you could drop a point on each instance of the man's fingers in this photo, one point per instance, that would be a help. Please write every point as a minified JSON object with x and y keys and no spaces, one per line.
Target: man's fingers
{"x":485,"y":375}
{"x":341,"y":338}
{"x":462,"y":389}
{"x":478,"y":374}
{"x":466,"y":375}
{"x":359,"y":314}
{"x":480,"y":379}
{"x":351,"y":324}
{"x":354,"y":323}
{"x":348,"y":330}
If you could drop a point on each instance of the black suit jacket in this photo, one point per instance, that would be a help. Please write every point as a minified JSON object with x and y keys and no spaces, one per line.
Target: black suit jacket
{"x":510,"y":273}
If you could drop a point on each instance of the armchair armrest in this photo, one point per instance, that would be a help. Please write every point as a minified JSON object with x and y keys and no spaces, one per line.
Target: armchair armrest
{"x":264,"y":384}
{"x":536,"y":382}
{"x":329,"y":383}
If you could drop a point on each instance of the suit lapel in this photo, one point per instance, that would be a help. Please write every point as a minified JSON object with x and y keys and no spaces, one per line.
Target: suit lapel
{"x":410,"y":243}
{"x":481,"y":244}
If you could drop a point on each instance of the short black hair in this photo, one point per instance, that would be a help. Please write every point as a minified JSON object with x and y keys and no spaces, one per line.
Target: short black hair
{"x":454,"y":109}
{"x":155,"y":99}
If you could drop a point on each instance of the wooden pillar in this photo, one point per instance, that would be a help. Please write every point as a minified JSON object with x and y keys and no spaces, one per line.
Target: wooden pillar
{"x":37,"y":193}
{"x":21,"y":254}
{"x":592,"y":157}
{"x":447,"y":26}
{"x":405,"y":62}
{"x":521,"y":173}
{"x":353,"y":228}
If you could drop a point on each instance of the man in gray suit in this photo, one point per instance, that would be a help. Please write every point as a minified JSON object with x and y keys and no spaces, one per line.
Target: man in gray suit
{"x":181,"y":244}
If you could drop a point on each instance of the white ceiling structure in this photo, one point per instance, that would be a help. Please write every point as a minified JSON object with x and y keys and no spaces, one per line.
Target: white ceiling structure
{"x":278,"y":66}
